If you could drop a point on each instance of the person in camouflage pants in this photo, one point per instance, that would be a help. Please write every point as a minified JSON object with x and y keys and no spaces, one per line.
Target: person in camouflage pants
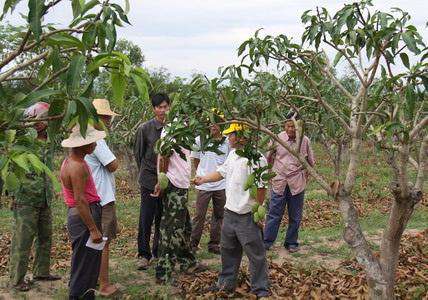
{"x":32,"y":214}
{"x":175,"y":234}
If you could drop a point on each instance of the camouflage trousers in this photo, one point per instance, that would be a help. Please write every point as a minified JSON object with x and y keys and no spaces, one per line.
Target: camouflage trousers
{"x":175,"y":231}
{"x":30,"y":223}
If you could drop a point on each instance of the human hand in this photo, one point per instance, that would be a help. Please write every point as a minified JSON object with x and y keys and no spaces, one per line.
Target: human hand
{"x":157,"y":191}
{"x":197,"y":180}
{"x":96,"y":236}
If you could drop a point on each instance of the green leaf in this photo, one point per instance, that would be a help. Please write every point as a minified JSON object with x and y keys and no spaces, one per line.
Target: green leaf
{"x":122,"y":14}
{"x":54,"y":180}
{"x":118,"y":85}
{"x":77,"y":9}
{"x":38,"y":166}
{"x":410,"y":101}
{"x":89,"y":36}
{"x":405,"y":59}
{"x":56,"y":108}
{"x":12,"y":182}
{"x":21,"y":161}
{"x":35,"y":96}
{"x":89,"y":107}
{"x":141,"y":87}
{"x":410,"y":41}
{"x":9,"y":4}
{"x":88,"y":6}
{"x":337,"y":58}
{"x":65,"y":40}
{"x":74,"y":75}
{"x":35,"y":14}
{"x":10,"y":135}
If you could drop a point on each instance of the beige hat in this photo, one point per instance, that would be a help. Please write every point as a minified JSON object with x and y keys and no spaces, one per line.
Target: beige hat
{"x":77,"y":140}
{"x":103,"y":107}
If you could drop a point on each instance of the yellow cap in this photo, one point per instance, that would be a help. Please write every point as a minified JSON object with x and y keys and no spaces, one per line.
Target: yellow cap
{"x":234,"y":127}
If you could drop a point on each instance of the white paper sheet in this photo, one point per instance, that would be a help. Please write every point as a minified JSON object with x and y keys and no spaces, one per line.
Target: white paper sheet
{"x":99,"y":246}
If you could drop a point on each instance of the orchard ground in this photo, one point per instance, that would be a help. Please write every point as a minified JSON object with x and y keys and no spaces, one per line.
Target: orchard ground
{"x":324,"y":268}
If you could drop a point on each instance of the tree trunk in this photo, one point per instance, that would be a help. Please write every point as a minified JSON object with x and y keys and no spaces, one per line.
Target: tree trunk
{"x":354,"y":237}
{"x":400,"y":213}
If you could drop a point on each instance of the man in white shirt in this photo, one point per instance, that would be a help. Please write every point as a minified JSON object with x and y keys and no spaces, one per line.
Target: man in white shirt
{"x":103,"y":163}
{"x":239,"y":231}
{"x":206,"y":162}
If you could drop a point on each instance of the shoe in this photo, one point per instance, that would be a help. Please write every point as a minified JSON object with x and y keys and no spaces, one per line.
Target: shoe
{"x":22,"y":287}
{"x":49,"y":277}
{"x":214,"y":250}
{"x":143,"y":264}
{"x":293,"y":249}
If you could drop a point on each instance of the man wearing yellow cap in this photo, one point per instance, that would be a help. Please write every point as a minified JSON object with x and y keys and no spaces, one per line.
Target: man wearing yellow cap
{"x":239,"y":232}
{"x":103,"y":164}
{"x":32,"y":213}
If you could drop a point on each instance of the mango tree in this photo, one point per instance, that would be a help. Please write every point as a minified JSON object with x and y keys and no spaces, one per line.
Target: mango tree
{"x":378,"y":103}
{"x":58,"y":65}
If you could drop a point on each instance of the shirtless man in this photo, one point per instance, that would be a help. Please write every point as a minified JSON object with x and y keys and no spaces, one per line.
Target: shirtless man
{"x":84,"y":213}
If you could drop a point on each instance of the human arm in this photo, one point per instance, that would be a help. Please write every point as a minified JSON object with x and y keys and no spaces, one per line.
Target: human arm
{"x":212,"y":177}
{"x":78,"y":178}
{"x":196,"y":162}
{"x":105,"y":156}
{"x":139,"y":147}
{"x":260,"y":196}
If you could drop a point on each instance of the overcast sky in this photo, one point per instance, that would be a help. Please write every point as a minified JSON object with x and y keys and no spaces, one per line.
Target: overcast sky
{"x":199,"y":36}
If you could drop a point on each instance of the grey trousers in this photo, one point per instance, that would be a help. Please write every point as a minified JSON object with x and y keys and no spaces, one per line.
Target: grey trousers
{"x":202,"y":203}
{"x":85,"y":262}
{"x":240,"y":234}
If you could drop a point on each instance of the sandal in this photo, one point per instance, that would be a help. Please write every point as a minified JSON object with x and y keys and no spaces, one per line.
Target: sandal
{"x":47,"y":278}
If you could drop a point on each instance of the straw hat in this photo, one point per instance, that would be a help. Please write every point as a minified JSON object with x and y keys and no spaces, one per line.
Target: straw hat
{"x":77,"y":140}
{"x":103,"y":107}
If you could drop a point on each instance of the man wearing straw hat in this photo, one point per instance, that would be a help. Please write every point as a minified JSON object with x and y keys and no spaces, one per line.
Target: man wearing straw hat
{"x":103,"y":163}
{"x":84,"y":213}
{"x":32,"y":213}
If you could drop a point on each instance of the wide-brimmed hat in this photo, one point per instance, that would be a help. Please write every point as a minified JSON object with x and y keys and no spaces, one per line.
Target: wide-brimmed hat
{"x":102,"y":107}
{"x":37,"y":110}
{"x":77,"y":140}
{"x":234,"y":127}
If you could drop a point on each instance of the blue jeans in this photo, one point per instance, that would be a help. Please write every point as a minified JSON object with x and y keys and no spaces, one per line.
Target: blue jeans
{"x":276,"y":211}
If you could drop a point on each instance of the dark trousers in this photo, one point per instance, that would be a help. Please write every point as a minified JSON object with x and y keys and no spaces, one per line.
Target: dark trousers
{"x":202,"y":203}
{"x":150,"y":210}
{"x":175,"y":230}
{"x":276,"y":211}
{"x":85,"y":261}
{"x":240,"y":234}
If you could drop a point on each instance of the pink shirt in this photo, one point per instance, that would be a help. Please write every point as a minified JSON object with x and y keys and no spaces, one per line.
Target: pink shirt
{"x":179,"y":169}
{"x":288,"y":169}
{"x":91,"y":194}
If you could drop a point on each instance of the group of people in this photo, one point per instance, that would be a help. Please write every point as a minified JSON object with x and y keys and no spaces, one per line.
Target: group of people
{"x":88,"y":189}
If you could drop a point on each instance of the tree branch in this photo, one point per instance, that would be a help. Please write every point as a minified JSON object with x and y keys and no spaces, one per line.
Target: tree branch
{"x":423,"y":166}
{"x":318,"y":177}
{"x":421,"y":125}
{"x":55,"y":75}
{"x":17,"y":52}
{"x":8,"y":73}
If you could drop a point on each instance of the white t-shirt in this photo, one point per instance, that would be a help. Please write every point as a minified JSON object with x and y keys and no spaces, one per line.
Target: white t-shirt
{"x":104,"y":180}
{"x":209,"y":162}
{"x":235,"y":170}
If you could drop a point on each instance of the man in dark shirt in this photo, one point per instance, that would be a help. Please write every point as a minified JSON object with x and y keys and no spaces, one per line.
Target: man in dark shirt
{"x":151,"y":207}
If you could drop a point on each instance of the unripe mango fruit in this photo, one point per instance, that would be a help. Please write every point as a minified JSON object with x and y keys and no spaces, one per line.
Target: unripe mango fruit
{"x":163,"y":180}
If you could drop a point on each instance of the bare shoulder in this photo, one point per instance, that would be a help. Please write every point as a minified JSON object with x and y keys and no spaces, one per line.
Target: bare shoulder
{"x":77,"y":168}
